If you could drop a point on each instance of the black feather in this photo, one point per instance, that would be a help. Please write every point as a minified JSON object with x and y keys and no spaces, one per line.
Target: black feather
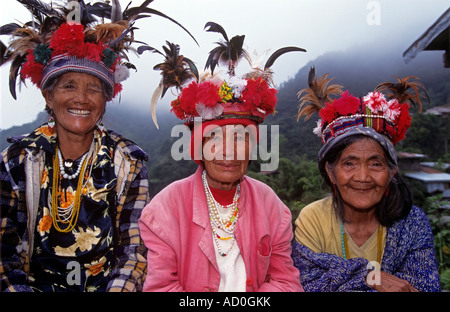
{"x":236,"y":50}
{"x":228,"y":52}
{"x":214,"y":27}
{"x":38,"y":9}
{"x":13,"y":73}
{"x":8,"y":29}
{"x":3,"y":53}
{"x":155,"y":12}
{"x":311,"y":76}
{"x":280,"y":52}
{"x":141,"y":49}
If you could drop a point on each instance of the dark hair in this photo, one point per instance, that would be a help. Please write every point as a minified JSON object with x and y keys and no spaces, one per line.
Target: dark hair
{"x":392,"y":207}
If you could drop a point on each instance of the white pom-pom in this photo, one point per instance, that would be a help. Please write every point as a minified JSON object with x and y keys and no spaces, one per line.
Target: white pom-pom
{"x":237,"y":85}
{"x":318,"y":129}
{"x":208,"y":113}
{"x":122,"y":73}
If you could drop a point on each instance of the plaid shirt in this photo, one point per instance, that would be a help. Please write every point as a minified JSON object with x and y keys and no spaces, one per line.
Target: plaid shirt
{"x":20,"y":175}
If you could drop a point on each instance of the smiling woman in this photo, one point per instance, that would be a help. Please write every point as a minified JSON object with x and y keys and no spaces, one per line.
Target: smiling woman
{"x":77,"y":103}
{"x":73,"y":191}
{"x":369,"y":216}
{"x":218,"y":229}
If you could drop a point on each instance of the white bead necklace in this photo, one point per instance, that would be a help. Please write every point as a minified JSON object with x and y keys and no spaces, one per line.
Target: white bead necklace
{"x":61,"y":167}
{"x":218,"y":223}
{"x":65,"y":214}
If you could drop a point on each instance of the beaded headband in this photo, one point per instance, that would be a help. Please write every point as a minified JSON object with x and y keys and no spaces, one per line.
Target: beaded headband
{"x":386,"y":117}
{"x":387,"y":114}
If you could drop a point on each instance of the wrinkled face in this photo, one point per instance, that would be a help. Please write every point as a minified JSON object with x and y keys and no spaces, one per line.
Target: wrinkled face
{"x":226,"y":154}
{"x":361,"y":174}
{"x":77,"y":101}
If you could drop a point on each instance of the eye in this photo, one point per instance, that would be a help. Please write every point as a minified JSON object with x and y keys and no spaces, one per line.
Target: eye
{"x":94,"y":89}
{"x":377,"y":165}
{"x":349,"y":163}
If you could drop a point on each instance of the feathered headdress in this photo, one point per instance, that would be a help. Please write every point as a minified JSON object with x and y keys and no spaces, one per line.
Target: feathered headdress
{"x":72,"y":36}
{"x":386,"y":114}
{"x":215,"y":97}
{"x":175,"y":70}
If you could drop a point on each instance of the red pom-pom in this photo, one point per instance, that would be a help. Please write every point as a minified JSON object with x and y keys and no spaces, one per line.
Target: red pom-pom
{"x":188,"y":99}
{"x":208,"y":94}
{"x":346,"y":104}
{"x":258,"y":94}
{"x":32,"y":69}
{"x":328,"y":113}
{"x":93,"y":51}
{"x":68,"y":39}
{"x":176,"y":109}
{"x":404,"y":122}
{"x":117,"y":89}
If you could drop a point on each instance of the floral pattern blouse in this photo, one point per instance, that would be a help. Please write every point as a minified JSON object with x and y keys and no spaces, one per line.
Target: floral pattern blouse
{"x":80,"y":259}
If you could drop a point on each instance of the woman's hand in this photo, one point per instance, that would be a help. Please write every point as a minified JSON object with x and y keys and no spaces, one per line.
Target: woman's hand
{"x":391,"y":283}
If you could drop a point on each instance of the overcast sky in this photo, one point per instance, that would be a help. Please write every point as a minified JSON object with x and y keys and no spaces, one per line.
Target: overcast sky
{"x":319,"y":26}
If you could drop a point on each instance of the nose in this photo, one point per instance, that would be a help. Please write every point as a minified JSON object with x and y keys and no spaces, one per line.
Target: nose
{"x":81,"y":96}
{"x":228,"y":148}
{"x":362,"y":174}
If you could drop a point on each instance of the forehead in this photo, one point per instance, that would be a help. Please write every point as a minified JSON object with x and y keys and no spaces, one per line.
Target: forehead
{"x":79,"y":78}
{"x":364,"y":148}
{"x":236,"y":129}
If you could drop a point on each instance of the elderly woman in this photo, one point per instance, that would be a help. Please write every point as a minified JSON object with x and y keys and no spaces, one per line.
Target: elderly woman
{"x":72,"y":192}
{"x":367,"y":235}
{"x":219,"y":230}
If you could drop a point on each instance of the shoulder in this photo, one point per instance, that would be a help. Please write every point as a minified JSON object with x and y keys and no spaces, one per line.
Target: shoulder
{"x":262,"y":201}
{"x":14,"y":154}
{"x":178,"y":187}
{"x":320,"y":209}
{"x":416,"y":218}
{"x":413,"y":229}
{"x":127,"y":146}
{"x":171,"y":202}
{"x":258,"y":186}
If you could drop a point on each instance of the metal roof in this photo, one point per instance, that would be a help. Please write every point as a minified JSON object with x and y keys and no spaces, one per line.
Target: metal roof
{"x":429,"y":177}
{"x":436,"y":37}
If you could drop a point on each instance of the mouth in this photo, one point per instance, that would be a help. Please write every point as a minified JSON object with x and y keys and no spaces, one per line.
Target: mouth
{"x":362,"y":190}
{"x":79,"y":112}
{"x":228,"y":166}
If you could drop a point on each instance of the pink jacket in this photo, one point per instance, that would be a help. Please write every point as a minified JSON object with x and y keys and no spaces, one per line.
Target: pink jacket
{"x":176,"y":229}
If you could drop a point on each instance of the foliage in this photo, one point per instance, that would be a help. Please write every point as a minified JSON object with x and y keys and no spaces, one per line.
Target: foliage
{"x":296,"y":182}
{"x":438,"y":212}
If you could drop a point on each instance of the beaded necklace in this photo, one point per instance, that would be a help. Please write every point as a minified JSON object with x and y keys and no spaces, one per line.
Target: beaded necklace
{"x":379,"y":242}
{"x":69,"y":164}
{"x":69,"y":215}
{"x":218,"y":223}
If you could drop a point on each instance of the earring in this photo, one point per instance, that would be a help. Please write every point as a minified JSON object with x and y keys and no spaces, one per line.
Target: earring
{"x":100,"y":126}
{"x":334,"y":188}
{"x":51,"y":122}
{"x":387,"y":192}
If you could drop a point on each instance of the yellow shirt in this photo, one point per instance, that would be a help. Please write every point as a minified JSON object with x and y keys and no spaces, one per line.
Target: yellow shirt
{"x":318,"y":228}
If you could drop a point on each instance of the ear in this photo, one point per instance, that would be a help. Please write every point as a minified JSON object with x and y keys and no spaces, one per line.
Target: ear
{"x":394,"y":172}
{"x":330,"y":173}
{"x":48,"y":98}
